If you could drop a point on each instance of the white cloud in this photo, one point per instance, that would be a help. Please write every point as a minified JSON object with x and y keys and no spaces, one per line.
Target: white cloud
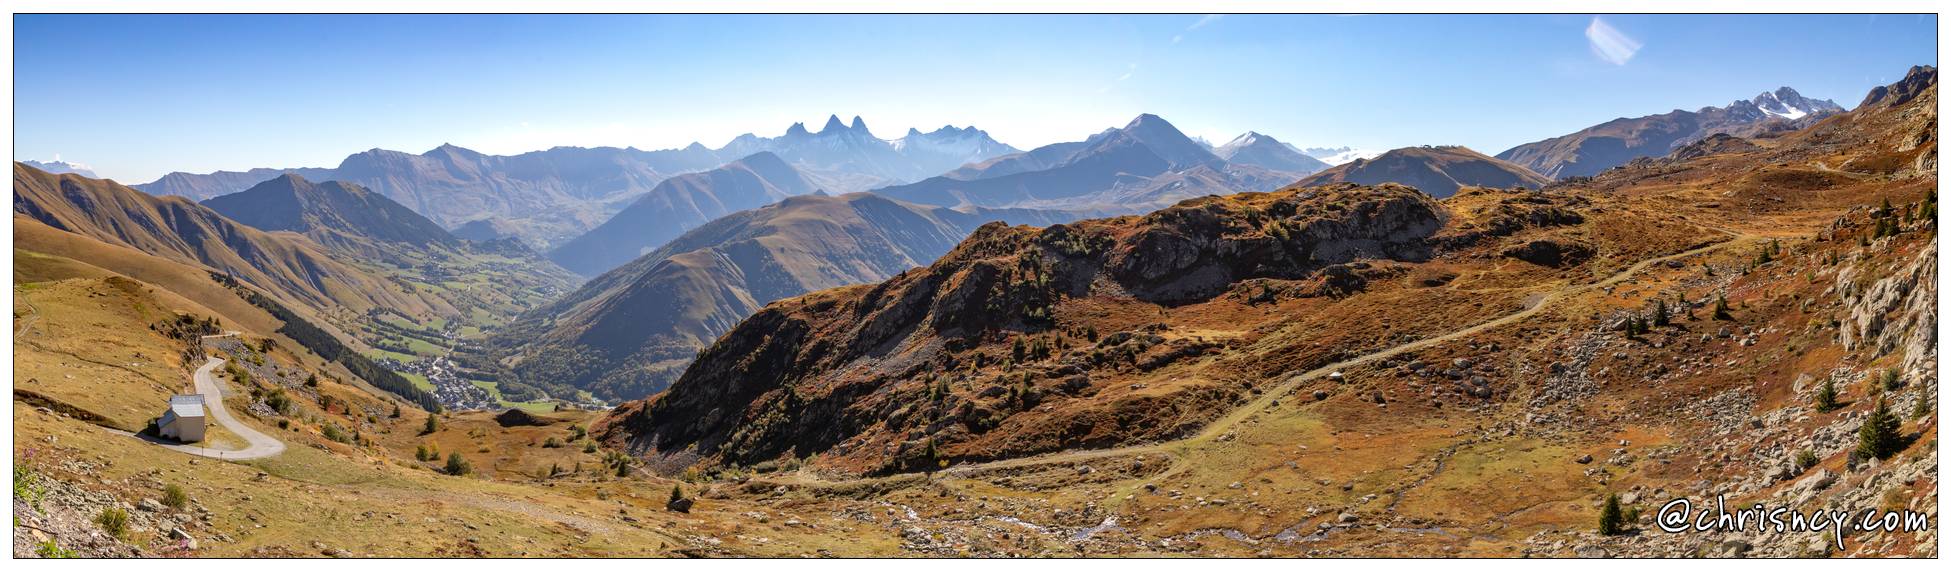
{"x":1610,"y":44}
{"x":1203,"y":22}
{"x":1128,"y":71}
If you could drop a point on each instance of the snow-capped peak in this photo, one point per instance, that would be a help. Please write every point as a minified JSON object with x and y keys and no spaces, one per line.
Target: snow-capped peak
{"x":969,"y":143}
{"x":58,"y":166}
{"x":1787,"y":104}
{"x":1339,"y":155}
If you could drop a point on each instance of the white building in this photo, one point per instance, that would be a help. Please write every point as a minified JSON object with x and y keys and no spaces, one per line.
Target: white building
{"x":184,"y":419}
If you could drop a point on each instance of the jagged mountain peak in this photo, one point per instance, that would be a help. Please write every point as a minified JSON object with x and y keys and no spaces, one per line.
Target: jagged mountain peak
{"x":1914,"y":82}
{"x":833,"y":125}
{"x":1167,"y":141}
{"x":1786,"y":103}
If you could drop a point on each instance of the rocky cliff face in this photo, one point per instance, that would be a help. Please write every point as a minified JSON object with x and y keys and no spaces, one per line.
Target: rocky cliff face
{"x":1897,"y":312}
{"x":867,"y":370}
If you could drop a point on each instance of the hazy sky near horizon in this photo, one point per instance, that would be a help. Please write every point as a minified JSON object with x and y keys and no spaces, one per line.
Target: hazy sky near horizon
{"x":137,"y":96}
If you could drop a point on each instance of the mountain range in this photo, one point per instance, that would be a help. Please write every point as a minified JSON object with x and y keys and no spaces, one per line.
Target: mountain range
{"x":632,"y":330}
{"x":1338,"y":155}
{"x":58,"y":166}
{"x":1437,"y":170}
{"x":1224,"y":327}
{"x":1588,"y":151}
{"x":287,"y":266}
{"x":548,"y":197}
{"x":1323,"y":368}
{"x":679,"y":204}
{"x":847,"y":157}
{"x":330,"y":212}
{"x":1146,"y":163}
{"x":1260,"y":150}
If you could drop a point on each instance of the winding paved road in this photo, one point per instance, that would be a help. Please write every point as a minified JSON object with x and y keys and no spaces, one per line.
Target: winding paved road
{"x":261,"y":445}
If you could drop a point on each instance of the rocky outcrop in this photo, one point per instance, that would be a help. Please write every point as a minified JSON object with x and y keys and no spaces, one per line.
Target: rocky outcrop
{"x":1550,"y":252}
{"x":519,"y":418}
{"x":1715,"y":144}
{"x":1895,"y":312}
{"x":1915,"y":83}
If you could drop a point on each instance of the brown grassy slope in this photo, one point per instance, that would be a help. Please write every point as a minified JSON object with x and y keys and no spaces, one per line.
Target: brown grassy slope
{"x":329,"y":212}
{"x":630,"y":332}
{"x":89,"y":361}
{"x":679,"y":204}
{"x":84,"y":257}
{"x":1154,"y":325}
{"x":177,"y":229}
{"x":1439,"y":171}
{"x":87,"y":343}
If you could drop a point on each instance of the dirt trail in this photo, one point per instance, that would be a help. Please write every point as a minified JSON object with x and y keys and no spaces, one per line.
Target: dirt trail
{"x":1240,"y":414}
{"x":1854,"y":176}
{"x":33,"y":314}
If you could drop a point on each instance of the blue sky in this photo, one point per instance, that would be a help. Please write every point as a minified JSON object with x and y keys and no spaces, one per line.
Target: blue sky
{"x":135,"y":97}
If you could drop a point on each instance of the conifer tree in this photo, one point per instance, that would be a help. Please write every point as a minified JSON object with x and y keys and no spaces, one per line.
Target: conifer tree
{"x":1878,"y":437}
{"x":1612,"y":520}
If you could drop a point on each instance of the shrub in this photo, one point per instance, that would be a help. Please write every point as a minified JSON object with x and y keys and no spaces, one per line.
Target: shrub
{"x":1805,"y":459}
{"x":333,"y":432}
{"x":27,"y":483}
{"x":552,"y":443}
{"x":279,"y":402}
{"x":174,"y":497}
{"x":458,"y":466}
{"x":113,"y":521}
{"x":48,"y":549}
{"x":589,"y":446}
{"x":433,"y":424}
{"x":1826,"y":396}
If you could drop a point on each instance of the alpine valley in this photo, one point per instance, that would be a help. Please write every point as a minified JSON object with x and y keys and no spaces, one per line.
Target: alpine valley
{"x":1128,"y":343}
